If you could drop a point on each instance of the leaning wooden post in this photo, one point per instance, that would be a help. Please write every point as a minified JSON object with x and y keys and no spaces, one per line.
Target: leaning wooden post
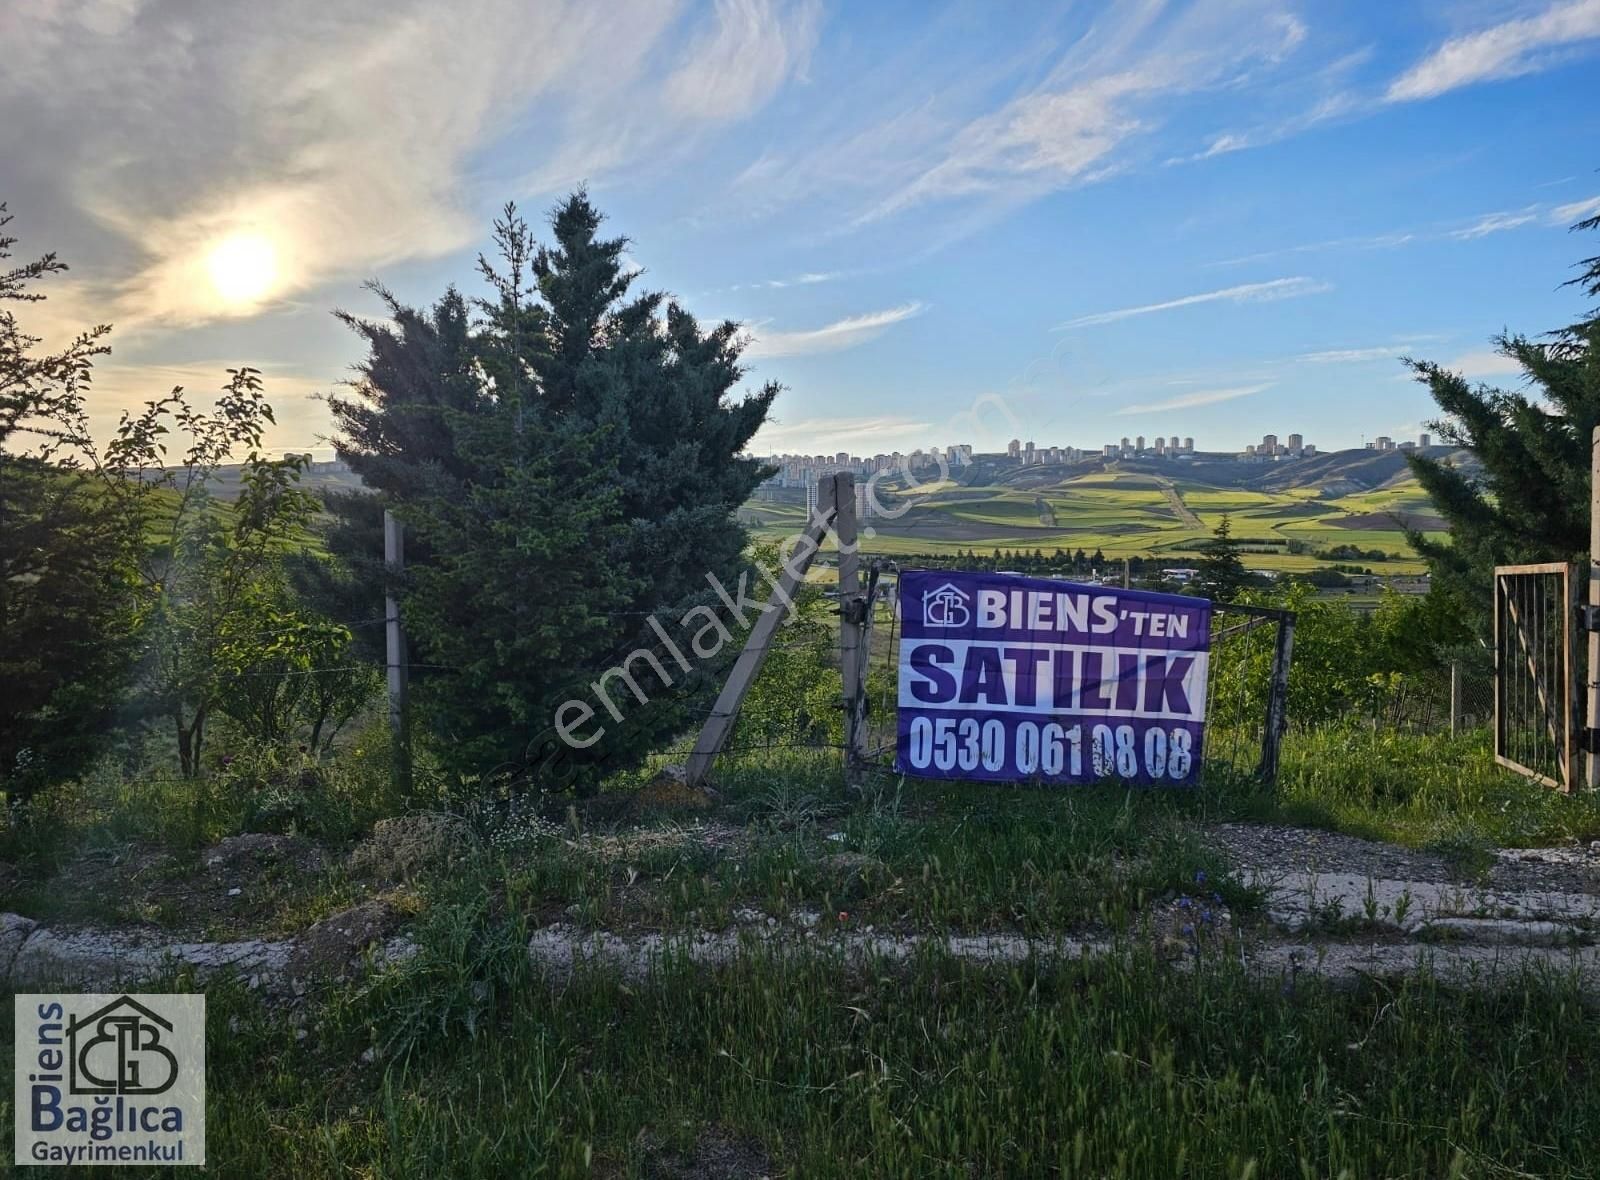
{"x":1455,"y":697}
{"x":852,"y":624}
{"x":714,"y":733}
{"x":1277,"y":700}
{"x":1592,"y":775}
{"x":394,"y":564}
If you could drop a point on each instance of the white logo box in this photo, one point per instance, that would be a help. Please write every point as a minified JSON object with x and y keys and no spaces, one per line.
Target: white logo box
{"x":110,"y":1078}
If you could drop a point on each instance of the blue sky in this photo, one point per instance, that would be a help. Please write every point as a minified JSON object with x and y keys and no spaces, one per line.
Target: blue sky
{"x":1088,"y":221}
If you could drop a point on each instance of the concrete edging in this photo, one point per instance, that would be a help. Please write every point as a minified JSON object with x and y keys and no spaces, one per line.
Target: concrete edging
{"x":31,"y":956}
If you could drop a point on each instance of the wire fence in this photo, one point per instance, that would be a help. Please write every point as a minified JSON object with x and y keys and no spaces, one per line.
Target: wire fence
{"x":1237,"y":692}
{"x":1452,"y":698}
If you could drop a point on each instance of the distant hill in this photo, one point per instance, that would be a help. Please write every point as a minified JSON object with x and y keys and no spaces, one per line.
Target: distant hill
{"x":1331,"y":474}
{"x":318,"y":477}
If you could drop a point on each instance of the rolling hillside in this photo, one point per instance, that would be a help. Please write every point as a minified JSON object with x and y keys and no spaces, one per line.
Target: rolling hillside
{"x":1290,"y":515}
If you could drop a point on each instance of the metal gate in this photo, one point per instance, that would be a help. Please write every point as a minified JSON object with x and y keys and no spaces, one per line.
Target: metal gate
{"x":1535,"y":672}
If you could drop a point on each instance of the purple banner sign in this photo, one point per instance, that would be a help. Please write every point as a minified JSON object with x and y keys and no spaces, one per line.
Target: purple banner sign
{"x":1012,"y":679}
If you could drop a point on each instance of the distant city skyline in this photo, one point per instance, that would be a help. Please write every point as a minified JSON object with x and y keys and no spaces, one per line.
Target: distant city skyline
{"x":1294,"y":445}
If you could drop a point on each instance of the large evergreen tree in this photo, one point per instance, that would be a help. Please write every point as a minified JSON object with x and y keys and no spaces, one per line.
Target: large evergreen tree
{"x":1527,"y":497}
{"x":567,"y":467}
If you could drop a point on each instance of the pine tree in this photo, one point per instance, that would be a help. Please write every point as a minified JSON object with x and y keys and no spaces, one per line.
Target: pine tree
{"x":568,"y":469}
{"x":1529,"y":498}
{"x":1221,"y":573}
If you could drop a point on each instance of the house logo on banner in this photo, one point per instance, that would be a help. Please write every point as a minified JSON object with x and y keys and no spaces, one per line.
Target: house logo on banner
{"x":1012,"y":679}
{"x":946,"y":607}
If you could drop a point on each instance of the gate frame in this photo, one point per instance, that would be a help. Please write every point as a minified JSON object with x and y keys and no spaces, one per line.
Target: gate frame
{"x":1566,"y":684}
{"x":1275,"y":724}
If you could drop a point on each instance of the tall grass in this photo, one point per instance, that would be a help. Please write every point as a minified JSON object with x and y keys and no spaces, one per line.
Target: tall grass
{"x":1418,"y":789}
{"x":1112,"y":1068}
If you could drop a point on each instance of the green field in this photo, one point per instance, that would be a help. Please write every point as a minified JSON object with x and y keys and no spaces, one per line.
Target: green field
{"x":1135,"y":514}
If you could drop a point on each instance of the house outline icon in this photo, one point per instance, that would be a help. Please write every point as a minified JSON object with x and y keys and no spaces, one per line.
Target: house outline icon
{"x":946,"y":606}
{"x":128,"y":1080}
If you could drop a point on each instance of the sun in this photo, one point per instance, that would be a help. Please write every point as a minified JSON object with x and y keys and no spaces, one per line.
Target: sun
{"x":243,"y":267}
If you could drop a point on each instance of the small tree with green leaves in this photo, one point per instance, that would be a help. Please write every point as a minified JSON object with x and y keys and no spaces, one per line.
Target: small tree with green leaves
{"x":207,"y":578}
{"x":66,"y":554}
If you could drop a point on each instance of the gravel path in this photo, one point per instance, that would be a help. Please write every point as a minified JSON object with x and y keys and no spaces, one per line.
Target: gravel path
{"x":1269,"y":849}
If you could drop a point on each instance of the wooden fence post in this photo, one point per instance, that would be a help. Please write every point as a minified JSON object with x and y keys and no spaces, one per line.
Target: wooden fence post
{"x":852,"y":625}
{"x":1592,"y":774}
{"x":1277,"y":701}
{"x":1455,"y":697}
{"x":394,"y":564}
{"x":745,"y":669}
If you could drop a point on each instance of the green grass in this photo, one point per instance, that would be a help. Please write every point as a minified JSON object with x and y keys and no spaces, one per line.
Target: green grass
{"x":1120,"y":1066}
{"x":785,"y":837}
{"x":921,"y":856}
{"x":1420,"y":790}
{"x":1107,"y":1068}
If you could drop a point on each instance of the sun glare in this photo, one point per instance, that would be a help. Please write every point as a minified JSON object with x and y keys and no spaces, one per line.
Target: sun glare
{"x":242,"y":267}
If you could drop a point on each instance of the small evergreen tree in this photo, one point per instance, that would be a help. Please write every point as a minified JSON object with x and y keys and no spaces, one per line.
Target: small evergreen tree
{"x":1221,"y":572}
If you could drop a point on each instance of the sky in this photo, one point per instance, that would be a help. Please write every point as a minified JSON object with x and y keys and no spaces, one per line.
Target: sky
{"x":948,"y":223}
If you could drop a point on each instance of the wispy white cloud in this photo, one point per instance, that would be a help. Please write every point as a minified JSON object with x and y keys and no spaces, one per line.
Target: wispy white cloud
{"x":1480,"y":226}
{"x":341,"y":140}
{"x":1371,"y":242}
{"x":1576,"y":211}
{"x":1188,"y":401}
{"x":884,"y":432}
{"x":1103,"y":91}
{"x":1500,"y":51}
{"x":1330,"y":83}
{"x":752,"y":48}
{"x":1266,"y":292}
{"x":841,"y":334}
{"x":1352,"y":356}
{"x":1493,"y":223}
{"x":809,"y":278}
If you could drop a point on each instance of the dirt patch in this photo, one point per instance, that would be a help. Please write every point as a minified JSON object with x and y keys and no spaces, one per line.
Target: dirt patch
{"x":716,"y":1155}
{"x":253,"y":853}
{"x":335,"y":945}
{"x":240,"y":884}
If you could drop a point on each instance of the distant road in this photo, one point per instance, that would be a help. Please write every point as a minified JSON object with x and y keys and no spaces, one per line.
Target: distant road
{"x":1170,"y":491}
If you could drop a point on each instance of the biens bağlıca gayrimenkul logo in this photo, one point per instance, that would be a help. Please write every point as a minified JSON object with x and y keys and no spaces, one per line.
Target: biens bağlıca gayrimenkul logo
{"x":110,"y":1079}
